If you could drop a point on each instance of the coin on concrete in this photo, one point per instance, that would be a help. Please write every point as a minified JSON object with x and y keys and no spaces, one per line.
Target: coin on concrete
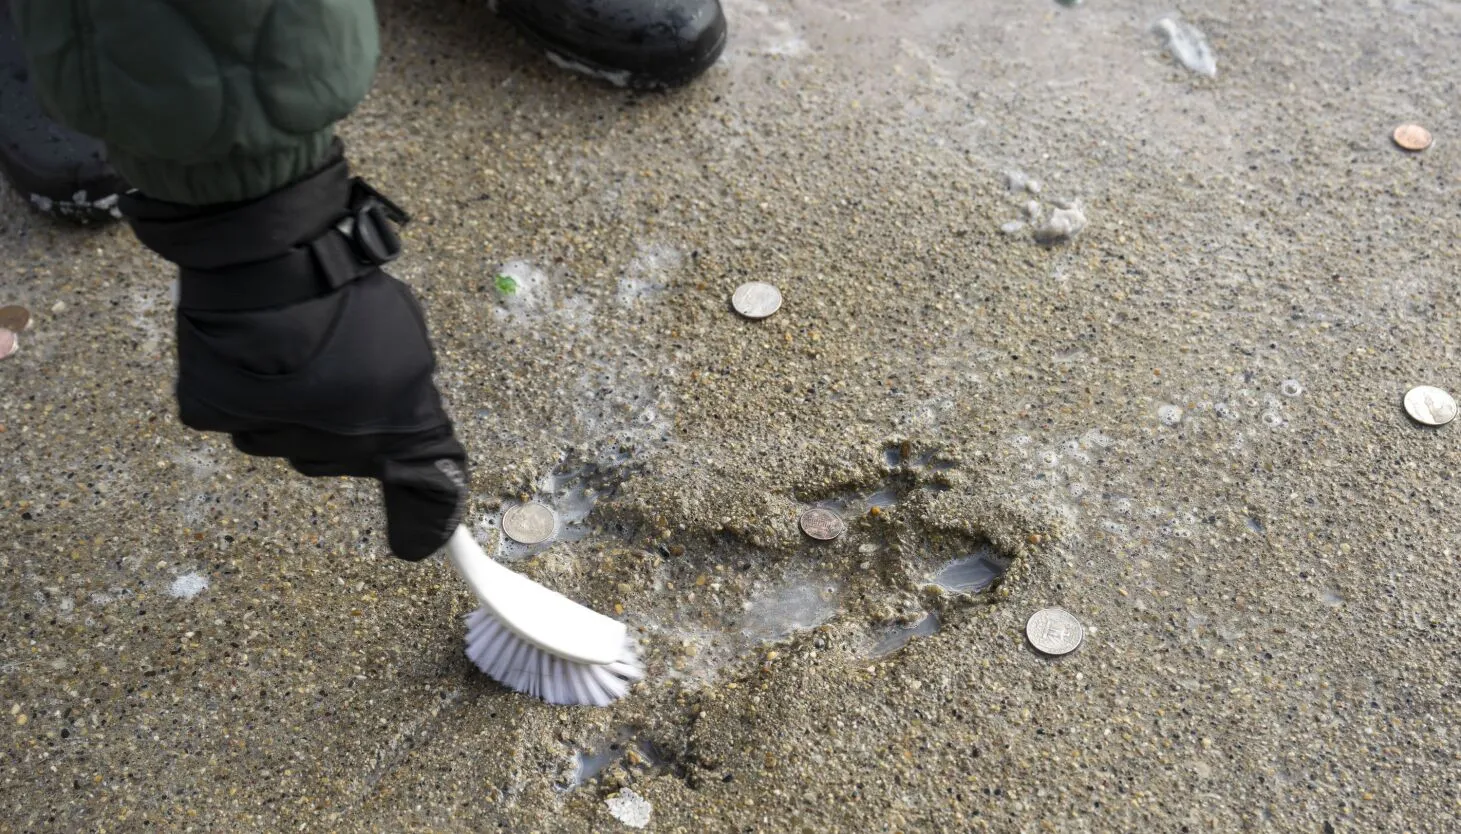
{"x":530,"y":523}
{"x":1430,"y":406}
{"x":1054,"y":631}
{"x":1412,"y":137}
{"x":822,"y":524}
{"x":14,"y":318}
{"x":756,"y":299}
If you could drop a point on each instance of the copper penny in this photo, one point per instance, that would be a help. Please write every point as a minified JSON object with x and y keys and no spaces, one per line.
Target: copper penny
{"x":1412,"y":137}
{"x":14,"y":318}
{"x":821,"y":524}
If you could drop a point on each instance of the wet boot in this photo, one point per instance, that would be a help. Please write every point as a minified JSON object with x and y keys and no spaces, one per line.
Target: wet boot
{"x":642,"y":44}
{"x":60,"y":172}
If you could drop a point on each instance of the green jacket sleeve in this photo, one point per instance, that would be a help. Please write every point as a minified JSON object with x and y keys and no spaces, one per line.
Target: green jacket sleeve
{"x":203,"y":101}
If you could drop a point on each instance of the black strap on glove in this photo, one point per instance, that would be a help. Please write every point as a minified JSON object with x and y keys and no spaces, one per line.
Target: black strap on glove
{"x":293,"y":340}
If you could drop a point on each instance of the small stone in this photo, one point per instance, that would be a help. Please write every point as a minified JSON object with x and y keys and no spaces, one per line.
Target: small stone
{"x":21,"y":719}
{"x":58,"y":308}
{"x":1013,"y":227}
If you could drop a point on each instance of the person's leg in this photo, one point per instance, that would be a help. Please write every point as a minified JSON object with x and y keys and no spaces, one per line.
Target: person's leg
{"x":632,"y":43}
{"x":60,"y":171}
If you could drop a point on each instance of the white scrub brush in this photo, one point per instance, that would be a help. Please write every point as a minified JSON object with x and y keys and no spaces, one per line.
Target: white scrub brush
{"x":538,"y":641}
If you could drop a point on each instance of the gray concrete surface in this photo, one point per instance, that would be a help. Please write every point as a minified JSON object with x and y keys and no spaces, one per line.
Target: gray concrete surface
{"x":1268,"y":571}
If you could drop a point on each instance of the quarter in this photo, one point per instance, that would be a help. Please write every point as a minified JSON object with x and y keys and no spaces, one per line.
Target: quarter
{"x":1430,"y":406}
{"x":530,"y":523}
{"x":756,"y":299}
{"x":1054,"y":631}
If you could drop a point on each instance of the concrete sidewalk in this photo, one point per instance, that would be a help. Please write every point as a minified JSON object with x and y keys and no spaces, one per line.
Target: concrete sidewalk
{"x":1183,"y":426}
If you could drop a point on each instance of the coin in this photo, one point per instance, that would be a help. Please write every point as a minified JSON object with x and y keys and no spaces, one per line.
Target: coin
{"x":14,"y":318}
{"x":822,"y":525}
{"x":756,"y":299}
{"x":1412,"y":137}
{"x":9,"y":343}
{"x":1430,"y":406}
{"x":530,"y":523}
{"x":1054,"y":631}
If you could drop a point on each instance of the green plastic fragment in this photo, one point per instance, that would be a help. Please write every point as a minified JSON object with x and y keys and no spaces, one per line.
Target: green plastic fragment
{"x":506,"y":284}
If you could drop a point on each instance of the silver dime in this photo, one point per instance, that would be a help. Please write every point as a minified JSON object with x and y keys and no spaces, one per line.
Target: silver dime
{"x":530,"y":523}
{"x":756,"y":299}
{"x":1054,"y":631}
{"x":1430,"y":406}
{"x":821,"y":524}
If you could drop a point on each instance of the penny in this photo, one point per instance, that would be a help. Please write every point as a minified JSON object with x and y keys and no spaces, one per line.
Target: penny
{"x":530,"y":523}
{"x":9,"y":343}
{"x":1430,"y":406}
{"x":1054,"y":631}
{"x":822,"y":525}
{"x":14,"y":318}
{"x":1412,"y":137}
{"x":756,"y":299}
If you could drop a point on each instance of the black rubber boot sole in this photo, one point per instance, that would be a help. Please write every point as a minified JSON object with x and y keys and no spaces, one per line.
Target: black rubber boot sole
{"x":59,"y":171}
{"x":664,"y":73}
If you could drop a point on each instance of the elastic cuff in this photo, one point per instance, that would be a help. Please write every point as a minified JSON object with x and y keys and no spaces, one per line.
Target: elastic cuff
{"x":229,"y":180}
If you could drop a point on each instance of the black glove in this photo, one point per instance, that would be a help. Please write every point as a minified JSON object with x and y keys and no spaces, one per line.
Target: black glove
{"x":293,"y":340}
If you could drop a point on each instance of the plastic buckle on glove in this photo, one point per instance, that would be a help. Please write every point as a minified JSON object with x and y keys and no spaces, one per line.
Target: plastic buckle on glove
{"x":368,"y":227}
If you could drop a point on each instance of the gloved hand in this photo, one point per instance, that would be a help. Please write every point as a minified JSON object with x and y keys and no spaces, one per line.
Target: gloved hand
{"x":291,"y":339}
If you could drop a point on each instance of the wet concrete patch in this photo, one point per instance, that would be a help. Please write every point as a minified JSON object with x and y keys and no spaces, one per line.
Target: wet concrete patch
{"x":626,"y":748}
{"x":896,"y":637}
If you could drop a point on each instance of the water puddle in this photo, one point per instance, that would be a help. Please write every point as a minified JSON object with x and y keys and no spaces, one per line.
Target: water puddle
{"x":899,"y":636}
{"x":971,"y":574}
{"x":794,"y":605}
{"x":624,"y":746}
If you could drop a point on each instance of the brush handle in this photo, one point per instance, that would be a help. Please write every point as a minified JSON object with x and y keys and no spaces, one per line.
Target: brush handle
{"x":538,"y":615}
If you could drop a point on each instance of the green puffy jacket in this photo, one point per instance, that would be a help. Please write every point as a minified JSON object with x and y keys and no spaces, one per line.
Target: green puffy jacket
{"x":202,"y":101}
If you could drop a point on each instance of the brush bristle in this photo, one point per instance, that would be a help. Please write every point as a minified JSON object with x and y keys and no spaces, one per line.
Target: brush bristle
{"x":521,"y":666}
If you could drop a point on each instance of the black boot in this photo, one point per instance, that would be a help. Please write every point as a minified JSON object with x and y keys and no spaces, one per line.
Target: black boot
{"x":60,"y":172}
{"x":644,"y":44}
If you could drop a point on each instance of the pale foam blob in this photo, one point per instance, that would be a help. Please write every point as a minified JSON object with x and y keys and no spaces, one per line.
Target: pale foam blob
{"x":648,"y":274}
{"x":630,"y":808}
{"x":1291,"y":388}
{"x":1170,"y":415}
{"x":188,"y":585}
{"x":1187,"y":44}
